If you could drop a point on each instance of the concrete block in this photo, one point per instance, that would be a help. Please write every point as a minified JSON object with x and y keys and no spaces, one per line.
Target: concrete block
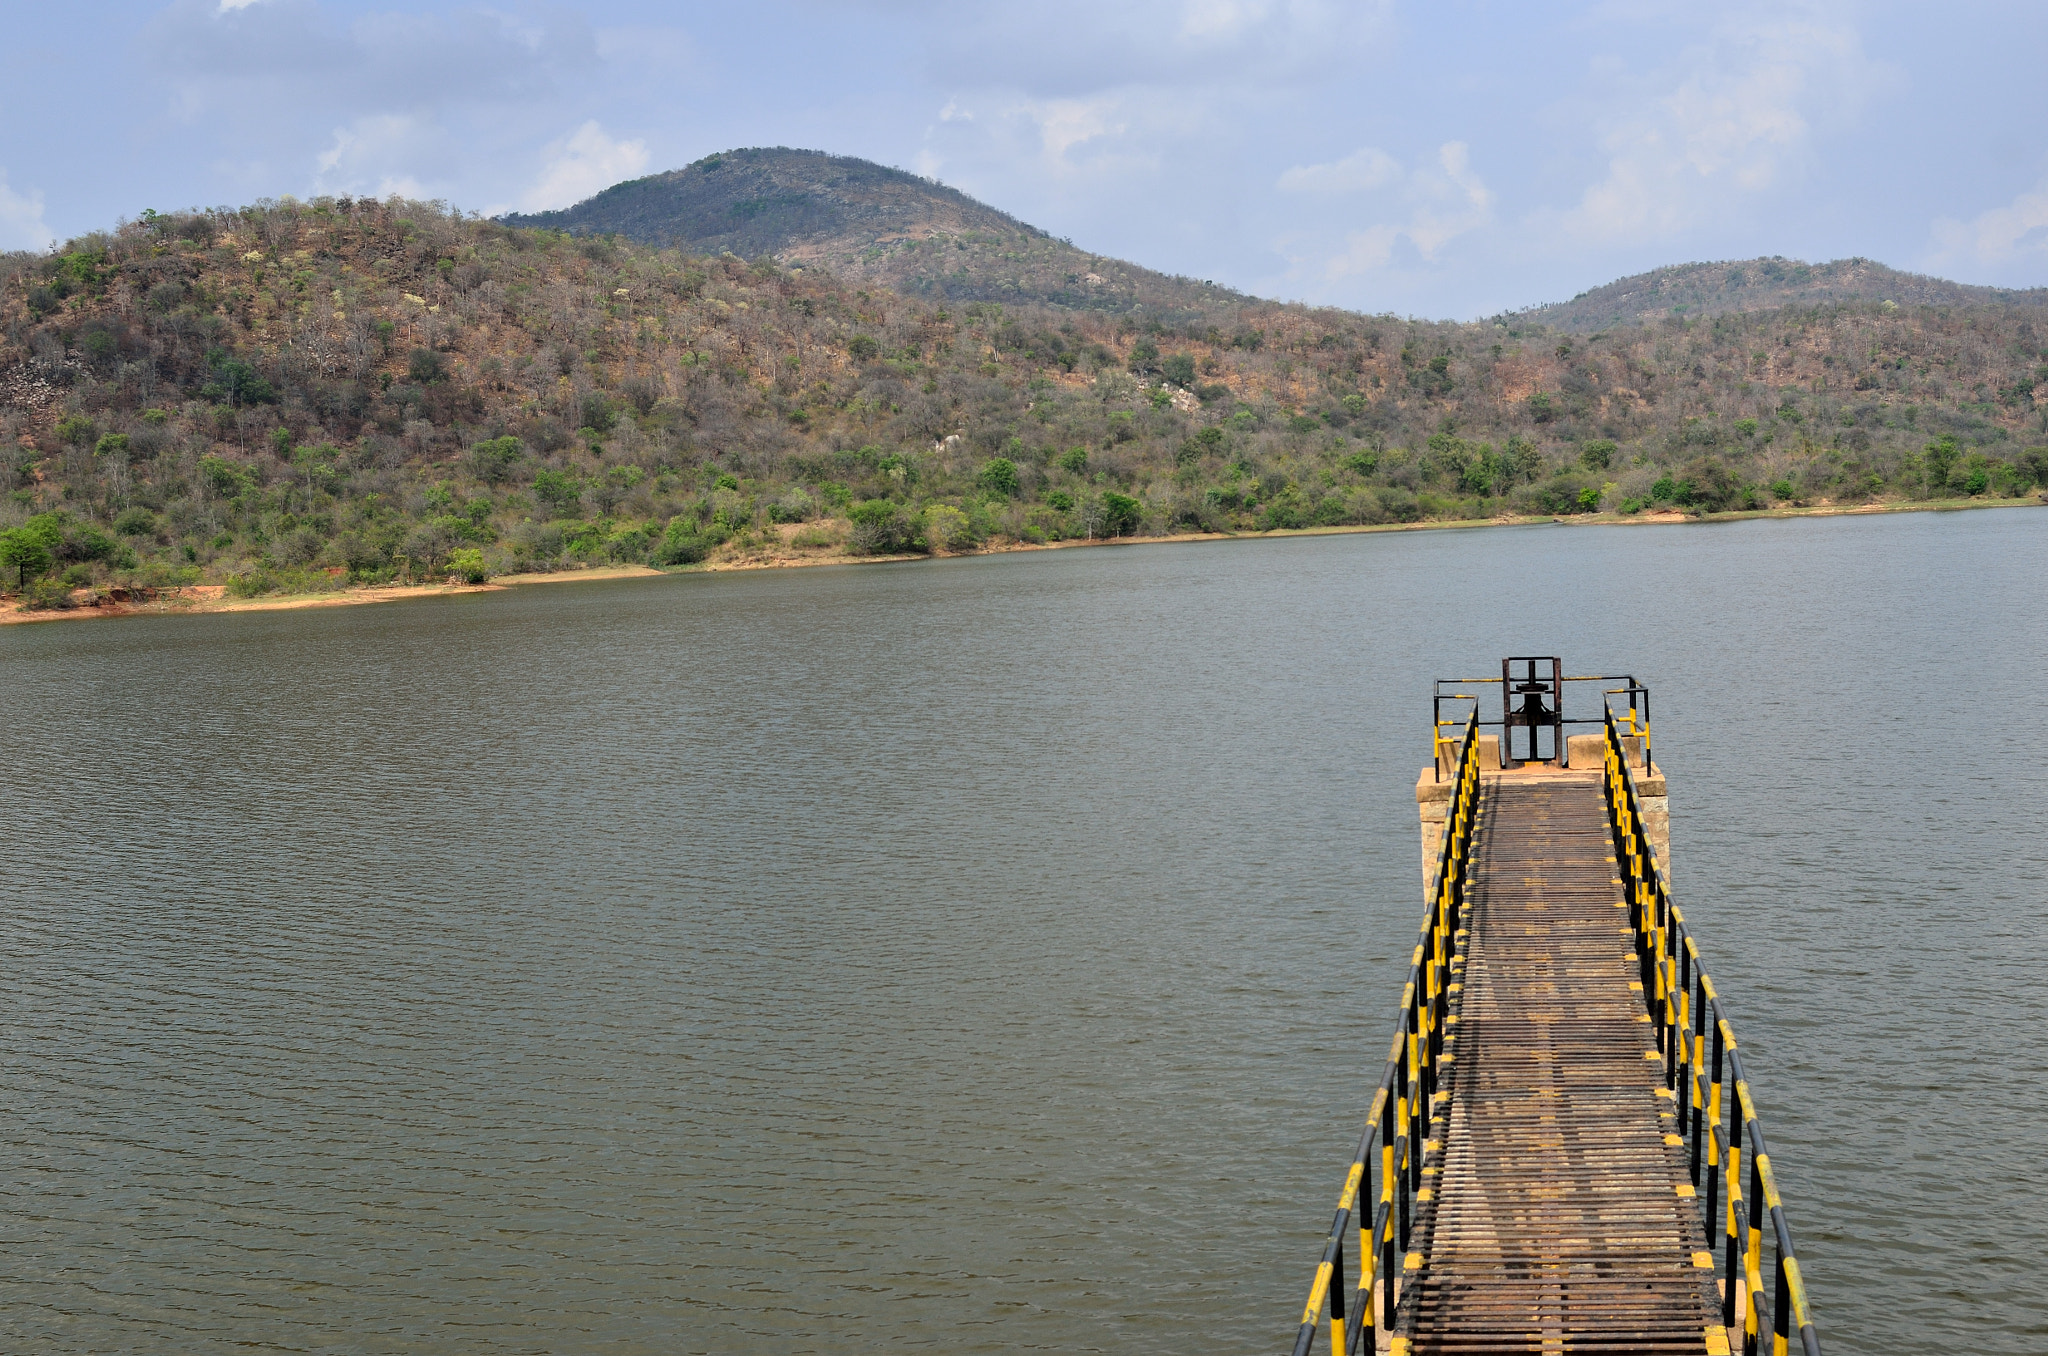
{"x":1585,"y":751}
{"x":1428,"y":788}
{"x":1489,"y":756}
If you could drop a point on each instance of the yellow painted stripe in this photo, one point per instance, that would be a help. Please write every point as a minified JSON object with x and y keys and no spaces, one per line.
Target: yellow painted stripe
{"x":1351,"y":1186}
{"x":1703,"y":1260}
{"x":1684,"y":1189}
{"x":1796,"y":1286}
{"x":1315,"y":1294}
{"x":1717,"y":1341}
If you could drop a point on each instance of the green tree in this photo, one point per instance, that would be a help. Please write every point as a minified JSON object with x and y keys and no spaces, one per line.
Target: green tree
{"x":1938,"y":456}
{"x":493,"y":459}
{"x":467,"y":564}
{"x":425,"y":366}
{"x":25,"y":554}
{"x":561,"y":491}
{"x":1598,"y":454}
{"x":1179,"y":369}
{"x":1120,"y":514}
{"x":998,"y":475}
{"x":1074,"y":459}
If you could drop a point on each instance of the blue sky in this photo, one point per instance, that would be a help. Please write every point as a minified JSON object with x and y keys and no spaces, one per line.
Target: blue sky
{"x":1447,"y":159}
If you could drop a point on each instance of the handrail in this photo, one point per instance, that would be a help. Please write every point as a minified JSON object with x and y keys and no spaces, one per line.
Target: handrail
{"x":1406,"y":1096}
{"x":1680,"y":998}
{"x":1637,"y":694}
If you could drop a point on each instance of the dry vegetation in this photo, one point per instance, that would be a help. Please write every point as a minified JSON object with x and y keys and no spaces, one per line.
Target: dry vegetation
{"x":301,"y":394}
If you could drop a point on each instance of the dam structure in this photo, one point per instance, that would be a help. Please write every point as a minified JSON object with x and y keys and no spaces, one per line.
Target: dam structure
{"x":1563,"y":1154}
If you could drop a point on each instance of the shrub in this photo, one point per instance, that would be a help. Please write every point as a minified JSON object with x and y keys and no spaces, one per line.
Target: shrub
{"x":948,"y":529}
{"x":817,"y":538}
{"x":254,"y":583}
{"x":1597,"y":454}
{"x":1287,"y":511}
{"x":1179,"y":369}
{"x":468,"y":565}
{"x":561,"y":491}
{"x":998,"y":475}
{"x":881,"y":527}
{"x":222,"y":478}
{"x":425,"y":366}
{"x":135,"y":522}
{"x":1074,"y":459}
{"x":794,"y":507}
{"x":493,"y":459}
{"x":861,"y":348}
{"x":1120,"y":514}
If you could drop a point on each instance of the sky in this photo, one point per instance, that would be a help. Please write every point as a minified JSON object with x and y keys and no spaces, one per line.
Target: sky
{"x":1452,"y":159}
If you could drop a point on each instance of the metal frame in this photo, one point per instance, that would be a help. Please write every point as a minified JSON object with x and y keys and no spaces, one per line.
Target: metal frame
{"x":1638,"y":718}
{"x":1681,"y":1001}
{"x":1398,"y":1122}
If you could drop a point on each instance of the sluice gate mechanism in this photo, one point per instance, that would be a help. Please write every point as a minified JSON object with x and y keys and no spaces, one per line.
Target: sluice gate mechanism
{"x":1562,"y":1154}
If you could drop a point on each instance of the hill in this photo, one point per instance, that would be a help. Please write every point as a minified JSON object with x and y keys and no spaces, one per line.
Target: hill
{"x":871,"y":224}
{"x":298,"y":395}
{"x":1697,"y":290}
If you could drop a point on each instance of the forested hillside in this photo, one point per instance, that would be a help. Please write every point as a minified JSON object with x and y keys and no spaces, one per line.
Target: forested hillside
{"x":1697,"y":291}
{"x":299,"y":394}
{"x":871,"y":224}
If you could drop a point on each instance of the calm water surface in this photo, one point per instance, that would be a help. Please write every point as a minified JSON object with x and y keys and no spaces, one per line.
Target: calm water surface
{"x":987,"y":955}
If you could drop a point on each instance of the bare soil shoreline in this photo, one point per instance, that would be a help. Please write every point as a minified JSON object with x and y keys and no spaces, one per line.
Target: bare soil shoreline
{"x":212,"y":598}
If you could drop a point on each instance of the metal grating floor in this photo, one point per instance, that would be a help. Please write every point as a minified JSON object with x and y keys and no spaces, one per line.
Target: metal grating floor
{"x":1555,"y":1220}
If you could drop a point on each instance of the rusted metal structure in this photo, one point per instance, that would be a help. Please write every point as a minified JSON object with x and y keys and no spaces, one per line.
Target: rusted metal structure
{"x":1555,"y":1158}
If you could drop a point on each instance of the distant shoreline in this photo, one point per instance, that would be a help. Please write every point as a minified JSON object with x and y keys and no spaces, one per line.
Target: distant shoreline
{"x":208,"y":599}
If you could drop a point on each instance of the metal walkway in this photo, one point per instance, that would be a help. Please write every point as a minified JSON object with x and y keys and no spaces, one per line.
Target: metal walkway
{"x":1557,"y":1216}
{"x":1563,"y":1154}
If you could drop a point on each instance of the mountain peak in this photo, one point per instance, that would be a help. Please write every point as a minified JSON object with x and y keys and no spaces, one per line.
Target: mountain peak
{"x":869,"y":223}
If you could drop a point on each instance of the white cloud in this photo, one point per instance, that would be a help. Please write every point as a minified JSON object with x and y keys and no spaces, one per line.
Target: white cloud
{"x":1999,"y":236}
{"x":379,"y":155}
{"x":21,"y":218}
{"x":1070,"y":48}
{"x":1064,"y":124}
{"x":585,"y":162}
{"x":1441,"y":203}
{"x":1360,"y":172}
{"x":1744,"y":120}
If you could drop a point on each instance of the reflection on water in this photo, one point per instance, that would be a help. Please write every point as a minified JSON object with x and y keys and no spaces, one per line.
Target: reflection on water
{"x":986,"y":953}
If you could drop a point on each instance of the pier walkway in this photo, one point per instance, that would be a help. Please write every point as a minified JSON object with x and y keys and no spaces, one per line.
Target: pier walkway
{"x":1554,"y":1157}
{"x":1554,"y":1211}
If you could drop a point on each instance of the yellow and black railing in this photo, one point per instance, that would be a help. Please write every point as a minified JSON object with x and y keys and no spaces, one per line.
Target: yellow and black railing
{"x":1710,"y":1095}
{"x":1396,"y":1129}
